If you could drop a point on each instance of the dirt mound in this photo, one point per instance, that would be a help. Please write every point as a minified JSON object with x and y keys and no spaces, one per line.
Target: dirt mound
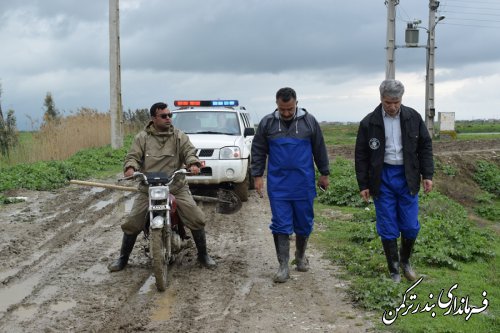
{"x":455,"y":172}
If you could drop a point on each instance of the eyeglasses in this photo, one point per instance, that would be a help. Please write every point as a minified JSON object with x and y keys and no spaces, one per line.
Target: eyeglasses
{"x":165,"y":115}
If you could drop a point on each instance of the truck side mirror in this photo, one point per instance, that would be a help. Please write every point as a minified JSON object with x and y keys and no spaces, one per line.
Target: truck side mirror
{"x":249,"y":131}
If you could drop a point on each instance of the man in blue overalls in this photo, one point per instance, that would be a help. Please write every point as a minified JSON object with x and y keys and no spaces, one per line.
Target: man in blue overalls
{"x":291,"y":141}
{"x":393,"y":152}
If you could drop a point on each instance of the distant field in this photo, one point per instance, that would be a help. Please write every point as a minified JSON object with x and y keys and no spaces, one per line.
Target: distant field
{"x":340,"y":134}
{"x":478,"y":126}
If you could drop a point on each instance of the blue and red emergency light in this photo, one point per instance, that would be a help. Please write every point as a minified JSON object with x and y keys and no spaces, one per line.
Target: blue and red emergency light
{"x":219,"y":102}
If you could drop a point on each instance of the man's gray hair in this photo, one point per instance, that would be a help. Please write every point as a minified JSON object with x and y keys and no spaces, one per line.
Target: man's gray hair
{"x":391,"y":88}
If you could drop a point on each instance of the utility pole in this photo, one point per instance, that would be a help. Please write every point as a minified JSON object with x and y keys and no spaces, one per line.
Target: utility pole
{"x":115,"y":76}
{"x":430,"y":110}
{"x":390,"y":71}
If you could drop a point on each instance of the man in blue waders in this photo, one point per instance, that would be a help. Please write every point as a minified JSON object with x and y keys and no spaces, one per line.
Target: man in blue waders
{"x":393,"y":152}
{"x":291,"y":141}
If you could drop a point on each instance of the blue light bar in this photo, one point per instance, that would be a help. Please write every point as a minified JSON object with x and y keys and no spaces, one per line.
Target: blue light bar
{"x":223,"y":102}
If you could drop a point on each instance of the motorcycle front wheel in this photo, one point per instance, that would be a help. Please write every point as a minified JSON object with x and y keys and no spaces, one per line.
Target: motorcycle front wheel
{"x":160,"y":265}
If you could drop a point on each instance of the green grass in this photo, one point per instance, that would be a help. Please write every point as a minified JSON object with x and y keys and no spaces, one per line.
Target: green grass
{"x":477,"y":136}
{"x":95,"y":162}
{"x":336,"y":134}
{"x":477,"y":126}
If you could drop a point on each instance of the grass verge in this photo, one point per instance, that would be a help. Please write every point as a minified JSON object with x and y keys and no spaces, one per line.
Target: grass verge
{"x":451,"y":254}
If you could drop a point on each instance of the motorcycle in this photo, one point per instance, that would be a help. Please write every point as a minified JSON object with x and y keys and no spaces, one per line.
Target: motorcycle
{"x":164,"y":229}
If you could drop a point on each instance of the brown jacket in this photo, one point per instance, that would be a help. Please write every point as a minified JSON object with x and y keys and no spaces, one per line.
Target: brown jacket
{"x":154,"y":151}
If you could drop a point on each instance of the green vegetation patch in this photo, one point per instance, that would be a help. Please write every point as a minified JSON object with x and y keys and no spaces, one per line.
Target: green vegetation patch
{"x":343,"y":189}
{"x":488,"y":206}
{"x":48,"y":175}
{"x":487,"y":176}
{"x":477,"y":126}
{"x":339,"y":134}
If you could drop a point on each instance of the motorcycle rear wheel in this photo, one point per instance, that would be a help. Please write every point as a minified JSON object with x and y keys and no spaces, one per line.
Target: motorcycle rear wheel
{"x":160,"y":265}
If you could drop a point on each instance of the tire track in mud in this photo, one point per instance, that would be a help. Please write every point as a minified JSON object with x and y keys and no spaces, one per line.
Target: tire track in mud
{"x":56,"y":230}
{"x":55,"y":275}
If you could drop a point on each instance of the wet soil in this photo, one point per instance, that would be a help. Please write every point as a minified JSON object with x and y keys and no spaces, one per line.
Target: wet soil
{"x":54,"y":249}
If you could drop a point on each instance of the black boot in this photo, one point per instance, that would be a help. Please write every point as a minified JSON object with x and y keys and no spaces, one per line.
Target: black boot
{"x":128,"y":242}
{"x":282,"y":244}
{"x":405,"y":253}
{"x":201,"y":245}
{"x":392,"y":256}
{"x":300,"y":253}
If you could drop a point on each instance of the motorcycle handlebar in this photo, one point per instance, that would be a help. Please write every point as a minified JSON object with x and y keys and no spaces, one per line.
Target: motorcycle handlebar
{"x":143,"y":177}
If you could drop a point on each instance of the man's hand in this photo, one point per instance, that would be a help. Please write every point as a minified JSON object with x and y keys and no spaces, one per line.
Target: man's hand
{"x":129,"y":172}
{"x":365,"y":194}
{"x":427,"y":185}
{"x":194,"y":169}
{"x":259,"y":186}
{"x":323,"y":182}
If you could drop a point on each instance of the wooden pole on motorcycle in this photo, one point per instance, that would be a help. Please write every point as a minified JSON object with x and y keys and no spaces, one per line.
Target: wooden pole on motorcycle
{"x":133,"y":189}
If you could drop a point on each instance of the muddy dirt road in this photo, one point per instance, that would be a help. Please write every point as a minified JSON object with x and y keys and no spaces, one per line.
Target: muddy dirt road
{"x":53,"y":277}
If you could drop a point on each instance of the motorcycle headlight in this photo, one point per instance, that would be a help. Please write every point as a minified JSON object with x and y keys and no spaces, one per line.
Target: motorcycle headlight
{"x":158,"y":193}
{"x":229,"y":153}
{"x":157,"y":222}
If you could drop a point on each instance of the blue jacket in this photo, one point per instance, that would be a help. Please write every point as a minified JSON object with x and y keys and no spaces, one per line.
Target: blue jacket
{"x":291,"y":154}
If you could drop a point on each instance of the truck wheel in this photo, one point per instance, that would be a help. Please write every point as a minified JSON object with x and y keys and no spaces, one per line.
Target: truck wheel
{"x":241,"y":189}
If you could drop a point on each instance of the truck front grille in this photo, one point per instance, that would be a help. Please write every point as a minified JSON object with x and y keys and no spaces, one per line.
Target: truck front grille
{"x":206,"y":153}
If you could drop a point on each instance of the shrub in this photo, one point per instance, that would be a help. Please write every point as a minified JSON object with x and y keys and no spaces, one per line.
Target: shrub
{"x":487,"y":176}
{"x":343,"y":190}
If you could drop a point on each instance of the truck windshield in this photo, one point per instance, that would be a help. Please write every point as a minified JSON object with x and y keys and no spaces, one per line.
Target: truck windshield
{"x":207,"y":122}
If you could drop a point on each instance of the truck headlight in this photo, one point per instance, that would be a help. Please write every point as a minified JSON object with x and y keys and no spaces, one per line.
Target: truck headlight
{"x":158,"y":193}
{"x":230,"y":153}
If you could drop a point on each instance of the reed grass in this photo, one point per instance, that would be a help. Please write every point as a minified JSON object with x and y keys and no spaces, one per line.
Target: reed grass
{"x":61,"y":138}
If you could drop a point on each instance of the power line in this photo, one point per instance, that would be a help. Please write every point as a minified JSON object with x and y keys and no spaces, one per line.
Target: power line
{"x":457,"y":12}
{"x":468,"y":7}
{"x":482,"y":2}
{"x":472,"y":25}
{"x":469,"y":19}
{"x":470,"y":13}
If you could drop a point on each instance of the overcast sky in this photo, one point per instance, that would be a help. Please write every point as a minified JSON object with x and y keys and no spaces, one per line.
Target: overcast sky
{"x":332,"y":53}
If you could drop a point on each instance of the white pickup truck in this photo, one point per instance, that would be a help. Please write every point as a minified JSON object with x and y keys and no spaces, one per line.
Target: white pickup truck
{"x":222,"y":132}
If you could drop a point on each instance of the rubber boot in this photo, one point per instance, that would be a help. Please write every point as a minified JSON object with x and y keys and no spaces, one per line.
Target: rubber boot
{"x":405,"y":253}
{"x":282,"y":244}
{"x":300,"y":253}
{"x":128,"y":242}
{"x":392,"y":256}
{"x":201,"y":245}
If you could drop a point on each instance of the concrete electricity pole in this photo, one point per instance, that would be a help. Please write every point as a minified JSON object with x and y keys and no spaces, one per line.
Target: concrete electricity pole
{"x":429,"y":75}
{"x":115,"y":76}
{"x":390,"y":71}
{"x":429,"y":79}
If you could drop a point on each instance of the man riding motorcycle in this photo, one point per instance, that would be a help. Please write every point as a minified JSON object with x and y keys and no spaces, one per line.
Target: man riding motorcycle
{"x":161,"y":147}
